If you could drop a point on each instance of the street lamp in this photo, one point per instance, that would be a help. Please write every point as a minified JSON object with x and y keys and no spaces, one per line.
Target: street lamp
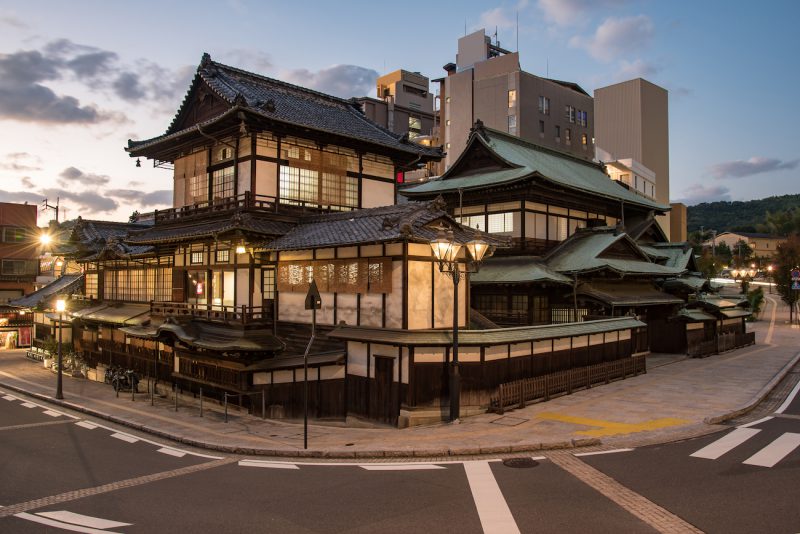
{"x":61,"y":305}
{"x":445,"y":250}
{"x":769,"y":277}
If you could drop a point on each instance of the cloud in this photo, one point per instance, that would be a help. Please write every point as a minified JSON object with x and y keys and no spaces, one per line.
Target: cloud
{"x":11,"y":20}
{"x":71,"y":174}
{"x":20,"y":197}
{"x":638,"y":68}
{"x":139,"y":198}
{"x":21,"y":161}
{"x":699,"y":193}
{"x":616,"y":36}
{"x":339,"y":80}
{"x":754,"y":165}
{"x":127,"y":87}
{"x":86,"y":201}
{"x":244,"y":58}
{"x":573,"y":12}
{"x":27,"y":183}
{"x":497,"y":18}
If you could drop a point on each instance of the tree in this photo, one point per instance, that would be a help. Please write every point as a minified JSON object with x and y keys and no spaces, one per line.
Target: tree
{"x":787,"y":258}
{"x":781,"y":222}
{"x":742,"y":252}
{"x":756,"y":300}
{"x":723,"y":253}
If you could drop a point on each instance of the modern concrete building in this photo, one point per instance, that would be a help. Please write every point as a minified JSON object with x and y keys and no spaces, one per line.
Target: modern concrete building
{"x":486,"y":83}
{"x":404,"y":104}
{"x":677,"y":222}
{"x":632,"y":122}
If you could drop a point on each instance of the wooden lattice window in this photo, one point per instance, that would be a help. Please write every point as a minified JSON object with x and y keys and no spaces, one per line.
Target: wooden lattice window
{"x":358,"y":275}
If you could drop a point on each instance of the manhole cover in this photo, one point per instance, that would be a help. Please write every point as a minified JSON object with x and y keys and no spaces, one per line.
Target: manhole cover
{"x":520,"y":462}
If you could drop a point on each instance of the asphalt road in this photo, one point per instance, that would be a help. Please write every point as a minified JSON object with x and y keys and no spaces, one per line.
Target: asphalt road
{"x":76,"y":475}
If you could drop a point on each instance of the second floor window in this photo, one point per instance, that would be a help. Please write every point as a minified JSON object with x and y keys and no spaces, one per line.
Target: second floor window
{"x":544,"y":105}
{"x":512,"y":124}
{"x":198,"y":188}
{"x":222,"y":183}
{"x":512,"y":98}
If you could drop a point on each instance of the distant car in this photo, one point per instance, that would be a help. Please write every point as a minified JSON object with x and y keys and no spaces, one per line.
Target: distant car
{"x":725,"y":273}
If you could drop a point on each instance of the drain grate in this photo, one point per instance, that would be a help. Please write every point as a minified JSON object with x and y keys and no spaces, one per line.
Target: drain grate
{"x":520,"y":462}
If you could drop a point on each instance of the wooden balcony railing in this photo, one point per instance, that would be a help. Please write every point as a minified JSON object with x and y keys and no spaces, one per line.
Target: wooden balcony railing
{"x":246,"y":200}
{"x":227,"y":314}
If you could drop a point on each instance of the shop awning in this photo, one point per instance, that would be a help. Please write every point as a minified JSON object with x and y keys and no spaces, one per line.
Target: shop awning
{"x":211,"y":336}
{"x":627,"y":294}
{"x":293,"y":362}
{"x":125,"y":314}
{"x":735,"y":313}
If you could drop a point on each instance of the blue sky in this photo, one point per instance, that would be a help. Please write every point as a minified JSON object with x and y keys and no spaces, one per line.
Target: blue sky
{"x":77,"y":79}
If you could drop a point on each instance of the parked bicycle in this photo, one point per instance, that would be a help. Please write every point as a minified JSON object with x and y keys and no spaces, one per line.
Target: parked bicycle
{"x":125,"y":380}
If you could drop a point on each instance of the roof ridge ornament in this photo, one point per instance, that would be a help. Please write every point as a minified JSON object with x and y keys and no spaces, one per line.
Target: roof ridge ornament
{"x":205,"y":61}
{"x":479,"y":128}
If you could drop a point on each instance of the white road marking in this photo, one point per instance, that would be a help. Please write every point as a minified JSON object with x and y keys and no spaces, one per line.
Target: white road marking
{"x":771,"y":329}
{"x":757,"y":422}
{"x":157,"y":444}
{"x":726,"y":443}
{"x":400,"y":467}
{"x":789,"y":399}
{"x":775,"y":451}
{"x":125,"y":437}
{"x":492,"y":508}
{"x":53,"y":413}
{"x":613,"y":451}
{"x":28,"y":405}
{"x":82,"y":520}
{"x":62,"y":526}
{"x":86,"y":424}
{"x":269,"y":465}
{"x":172,"y":452}
{"x":9,"y":398}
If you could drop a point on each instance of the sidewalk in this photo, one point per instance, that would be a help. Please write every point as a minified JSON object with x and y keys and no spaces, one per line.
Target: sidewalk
{"x":677,"y":398}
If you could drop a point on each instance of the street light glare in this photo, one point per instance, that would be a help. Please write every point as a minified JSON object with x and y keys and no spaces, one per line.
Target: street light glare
{"x":45,"y":239}
{"x":61,"y":305}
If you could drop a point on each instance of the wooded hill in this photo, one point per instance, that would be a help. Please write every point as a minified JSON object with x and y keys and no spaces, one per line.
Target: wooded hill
{"x":737,"y":216}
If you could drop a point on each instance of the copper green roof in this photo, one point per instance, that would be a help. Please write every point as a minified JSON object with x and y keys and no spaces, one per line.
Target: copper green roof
{"x":442,"y":338}
{"x":524,"y":160}
{"x":516,"y":270}
{"x":627,"y":294}
{"x":695,"y":315}
{"x":584,"y":252}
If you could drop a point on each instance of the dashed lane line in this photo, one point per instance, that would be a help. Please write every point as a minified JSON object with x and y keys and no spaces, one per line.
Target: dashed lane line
{"x":133,"y":439}
{"x":172,"y":452}
{"x":107,"y":488}
{"x":654,"y":515}
{"x":404,"y":467}
{"x":125,"y":437}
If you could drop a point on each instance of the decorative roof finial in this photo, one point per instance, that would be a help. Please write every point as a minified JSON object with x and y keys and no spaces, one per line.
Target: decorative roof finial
{"x":206,"y":59}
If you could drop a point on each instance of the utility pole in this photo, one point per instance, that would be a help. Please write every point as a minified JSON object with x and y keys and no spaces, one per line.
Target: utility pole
{"x":46,"y":206}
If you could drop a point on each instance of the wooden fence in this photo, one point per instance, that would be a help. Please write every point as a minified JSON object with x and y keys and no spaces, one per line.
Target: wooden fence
{"x":723,"y":343}
{"x":517,"y":393}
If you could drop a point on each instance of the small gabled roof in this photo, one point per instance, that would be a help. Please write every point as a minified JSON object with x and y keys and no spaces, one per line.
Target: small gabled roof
{"x":411,"y":221}
{"x":627,"y":294}
{"x":520,"y":160}
{"x":248,"y":223}
{"x":92,"y":237}
{"x":677,"y":255}
{"x":516,"y":270}
{"x":280,"y":102}
{"x":64,"y":284}
{"x":595,"y":249}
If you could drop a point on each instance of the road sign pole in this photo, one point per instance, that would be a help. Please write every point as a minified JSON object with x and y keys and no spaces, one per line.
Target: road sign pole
{"x":313,"y":303}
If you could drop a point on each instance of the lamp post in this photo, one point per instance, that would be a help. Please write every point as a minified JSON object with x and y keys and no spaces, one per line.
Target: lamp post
{"x":769,"y":277}
{"x":61,"y":305}
{"x":445,"y":250}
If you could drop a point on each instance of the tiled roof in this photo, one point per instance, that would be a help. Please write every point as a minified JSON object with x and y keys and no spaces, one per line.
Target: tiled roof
{"x":525,"y":160}
{"x":410,"y":221}
{"x":434,"y":338}
{"x":286,"y":103}
{"x":92,"y":237}
{"x":211,"y":336}
{"x":175,"y":232}
{"x":515,"y":270}
{"x":627,"y":294}
{"x":582,"y":252}
{"x":678,"y":255}
{"x":63,"y":284}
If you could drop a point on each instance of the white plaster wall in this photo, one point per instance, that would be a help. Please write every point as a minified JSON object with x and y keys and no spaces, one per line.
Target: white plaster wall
{"x":283,"y":377}
{"x":346,"y":304}
{"x":331,"y":372}
{"x":266,"y":181}
{"x":561,"y":344}
{"x":244,"y":177}
{"x":394,"y":249}
{"x":611,"y":336}
{"x":624,"y":334}
{"x":179,"y":193}
{"x":428,"y":355}
{"x":242,"y":287}
{"x":521,"y":349}
{"x":347,"y":252}
{"x":356,"y":358}
{"x":259,"y":379}
{"x":291,"y":307}
{"x":404,"y":365}
{"x":419,"y":295}
{"x":580,"y":341}
{"x":495,"y":352}
{"x":325,"y":313}
{"x":596,"y":339}
{"x":372,"y":250}
{"x":375,"y":194}
{"x":418,"y":249}
{"x":371,"y":310}
{"x":257,"y":289}
{"x":469,"y":354}
{"x":394,"y":300}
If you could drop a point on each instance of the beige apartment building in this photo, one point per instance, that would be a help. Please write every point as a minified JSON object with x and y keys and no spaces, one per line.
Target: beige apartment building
{"x":404,"y":105}
{"x":486,"y":83}
{"x":633,"y":124}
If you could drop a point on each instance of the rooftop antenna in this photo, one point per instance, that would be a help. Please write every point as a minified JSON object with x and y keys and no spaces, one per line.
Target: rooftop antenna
{"x":548,"y":68}
{"x":496,"y":42}
{"x":46,"y":206}
{"x":517,"y":30}
{"x":465,"y":26}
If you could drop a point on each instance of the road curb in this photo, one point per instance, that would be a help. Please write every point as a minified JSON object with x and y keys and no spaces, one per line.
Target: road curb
{"x":760,"y":396}
{"x":330,"y":454}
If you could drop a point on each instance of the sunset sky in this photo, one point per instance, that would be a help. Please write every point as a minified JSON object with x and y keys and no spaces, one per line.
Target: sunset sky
{"x":78,"y":79}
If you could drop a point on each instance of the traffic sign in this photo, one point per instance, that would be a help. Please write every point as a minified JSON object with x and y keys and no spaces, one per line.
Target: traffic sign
{"x":796,"y":285}
{"x":795,"y":274}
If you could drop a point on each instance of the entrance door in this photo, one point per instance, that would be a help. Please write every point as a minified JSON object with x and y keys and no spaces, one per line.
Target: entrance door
{"x":383,"y":407}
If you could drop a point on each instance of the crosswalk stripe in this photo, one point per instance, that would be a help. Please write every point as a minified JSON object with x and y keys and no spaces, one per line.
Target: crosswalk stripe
{"x":399,"y":467}
{"x":28,"y":405}
{"x":9,"y":398}
{"x":714,"y":450}
{"x":52,"y":413}
{"x":125,"y":437}
{"x":172,"y":452}
{"x":269,"y":465}
{"x":86,"y":424}
{"x":775,"y":451}
{"x":492,"y":507}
